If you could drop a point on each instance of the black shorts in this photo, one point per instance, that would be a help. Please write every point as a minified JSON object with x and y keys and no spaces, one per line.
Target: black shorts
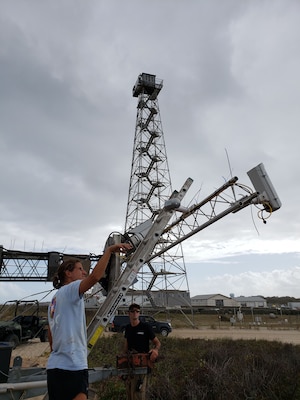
{"x":65,"y":385}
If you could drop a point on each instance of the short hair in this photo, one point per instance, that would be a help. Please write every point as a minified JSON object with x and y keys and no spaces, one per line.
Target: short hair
{"x":133,"y":306}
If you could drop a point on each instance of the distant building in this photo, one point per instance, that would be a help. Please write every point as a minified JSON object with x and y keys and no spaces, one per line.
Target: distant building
{"x":252,"y":301}
{"x":213,"y":300}
{"x":295,"y":305}
{"x":93,"y":301}
{"x":158,"y":298}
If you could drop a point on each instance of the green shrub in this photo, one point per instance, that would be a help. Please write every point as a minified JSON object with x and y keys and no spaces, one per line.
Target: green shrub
{"x":195,"y":369}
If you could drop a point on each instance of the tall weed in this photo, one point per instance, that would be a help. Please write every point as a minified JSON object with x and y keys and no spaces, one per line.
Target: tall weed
{"x":196,"y":369}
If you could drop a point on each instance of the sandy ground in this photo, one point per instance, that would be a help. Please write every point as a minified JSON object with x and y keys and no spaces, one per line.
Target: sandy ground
{"x":35,"y":353}
{"x":286,"y":336}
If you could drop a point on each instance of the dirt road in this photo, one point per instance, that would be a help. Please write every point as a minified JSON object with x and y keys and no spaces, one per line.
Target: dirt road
{"x":286,"y":336}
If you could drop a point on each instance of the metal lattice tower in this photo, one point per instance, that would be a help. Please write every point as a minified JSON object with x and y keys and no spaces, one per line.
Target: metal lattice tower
{"x":150,"y":187}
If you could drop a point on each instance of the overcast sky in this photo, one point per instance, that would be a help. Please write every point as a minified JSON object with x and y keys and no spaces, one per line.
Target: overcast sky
{"x":67,"y":120}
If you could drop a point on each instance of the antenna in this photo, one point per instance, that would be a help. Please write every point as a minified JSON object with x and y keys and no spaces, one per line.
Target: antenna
{"x":264,"y":187}
{"x":230,"y":170}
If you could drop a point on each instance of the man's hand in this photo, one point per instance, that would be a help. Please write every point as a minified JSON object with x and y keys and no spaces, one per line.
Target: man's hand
{"x":153,"y":354}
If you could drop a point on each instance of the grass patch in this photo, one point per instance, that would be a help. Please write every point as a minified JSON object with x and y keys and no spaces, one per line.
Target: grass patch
{"x":195,"y":369}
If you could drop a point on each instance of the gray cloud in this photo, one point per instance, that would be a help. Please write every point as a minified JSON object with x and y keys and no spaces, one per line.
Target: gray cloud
{"x":230,"y":74}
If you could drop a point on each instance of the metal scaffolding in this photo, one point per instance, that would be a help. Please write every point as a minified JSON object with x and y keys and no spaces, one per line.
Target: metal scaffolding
{"x":149,"y":188}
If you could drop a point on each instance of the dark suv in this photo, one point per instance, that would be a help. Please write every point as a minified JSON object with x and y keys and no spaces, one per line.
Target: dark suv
{"x":120,"y":321}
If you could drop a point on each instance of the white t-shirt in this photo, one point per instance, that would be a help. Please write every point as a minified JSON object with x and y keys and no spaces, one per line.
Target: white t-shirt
{"x":66,"y":315}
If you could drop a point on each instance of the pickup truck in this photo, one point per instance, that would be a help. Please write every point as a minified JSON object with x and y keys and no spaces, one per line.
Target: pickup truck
{"x":22,"y":327}
{"x":120,"y":321}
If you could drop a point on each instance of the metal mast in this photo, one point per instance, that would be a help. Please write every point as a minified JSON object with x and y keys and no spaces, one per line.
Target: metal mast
{"x":150,"y":186}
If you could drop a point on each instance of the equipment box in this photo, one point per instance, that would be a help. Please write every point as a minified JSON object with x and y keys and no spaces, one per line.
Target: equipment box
{"x":5,"y":355}
{"x":136,"y":360}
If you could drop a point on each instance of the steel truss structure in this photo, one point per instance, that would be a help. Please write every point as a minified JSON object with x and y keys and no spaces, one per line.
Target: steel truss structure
{"x":36,"y":266}
{"x":150,"y":187}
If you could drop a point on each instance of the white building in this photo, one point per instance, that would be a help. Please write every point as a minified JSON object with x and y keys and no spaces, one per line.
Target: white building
{"x":252,"y":301}
{"x":295,"y":305}
{"x":213,"y":300}
{"x":159,"y":298}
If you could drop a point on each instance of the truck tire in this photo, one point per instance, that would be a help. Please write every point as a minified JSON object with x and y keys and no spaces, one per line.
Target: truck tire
{"x":13,"y":340}
{"x":164,"y":332}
